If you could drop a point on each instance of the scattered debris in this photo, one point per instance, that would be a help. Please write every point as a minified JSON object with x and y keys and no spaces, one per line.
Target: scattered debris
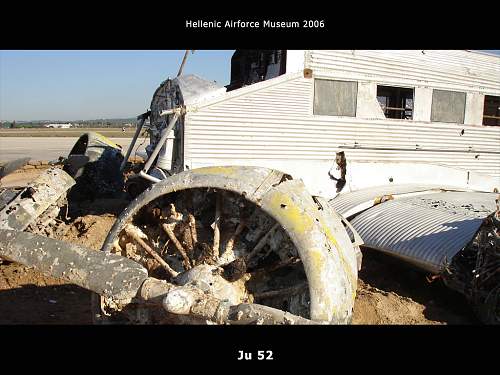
{"x":36,"y":206}
{"x":94,"y":162}
{"x":475,"y":271}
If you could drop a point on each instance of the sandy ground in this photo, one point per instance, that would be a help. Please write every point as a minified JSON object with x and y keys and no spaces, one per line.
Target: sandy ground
{"x":389,"y":292}
{"x":28,"y":297}
{"x":20,"y":179}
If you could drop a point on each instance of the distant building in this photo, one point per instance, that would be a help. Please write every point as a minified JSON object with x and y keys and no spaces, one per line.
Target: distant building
{"x":59,"y":126}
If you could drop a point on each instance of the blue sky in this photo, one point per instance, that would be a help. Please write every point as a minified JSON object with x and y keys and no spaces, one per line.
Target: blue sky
{"x":83,"y":85}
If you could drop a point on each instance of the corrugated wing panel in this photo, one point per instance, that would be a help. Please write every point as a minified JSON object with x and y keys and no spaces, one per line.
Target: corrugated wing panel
{"x":344,"y":202}
{"x":427,"y":231}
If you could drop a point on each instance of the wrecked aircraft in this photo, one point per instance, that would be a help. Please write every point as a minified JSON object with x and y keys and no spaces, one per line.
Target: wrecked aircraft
{"x":252,"y":184}
{"x":410,"y":136}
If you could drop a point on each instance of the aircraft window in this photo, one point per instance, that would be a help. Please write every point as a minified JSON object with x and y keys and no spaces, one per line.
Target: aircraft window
{"x":396,"y":102}
{"x":448,"y":106}
{"x":335,"y":98}
{"x":491,"y":114}
{"x":252,"y":66}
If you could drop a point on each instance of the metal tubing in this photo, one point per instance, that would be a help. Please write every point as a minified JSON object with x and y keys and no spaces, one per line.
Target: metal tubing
{"x":189,"y":300}
{"x":134,"y":233}
{"x":136,"y":135}
{"x":181,"y":68}
{"x":149,"y":177}
{"x":167,"y":112}
{"x":163,"y":139}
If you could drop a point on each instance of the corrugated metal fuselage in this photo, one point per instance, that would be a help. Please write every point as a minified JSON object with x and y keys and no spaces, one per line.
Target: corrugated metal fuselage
{"x":272,"y":123}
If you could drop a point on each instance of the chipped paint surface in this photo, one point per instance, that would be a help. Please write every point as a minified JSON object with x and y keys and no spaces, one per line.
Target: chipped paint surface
{"x":289,"y":211}
{"x":227,"y":171}
{"x":108,"y":274}
{"x":106,"y":140}
{"x":331,"y":268}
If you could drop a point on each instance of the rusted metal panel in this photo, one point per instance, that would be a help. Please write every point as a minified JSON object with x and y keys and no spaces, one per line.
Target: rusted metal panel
{"x":426,"y":231}
{"x":474,"y":271}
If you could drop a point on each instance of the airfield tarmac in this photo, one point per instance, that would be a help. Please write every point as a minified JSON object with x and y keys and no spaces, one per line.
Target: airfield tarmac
{"x":47,"y":148}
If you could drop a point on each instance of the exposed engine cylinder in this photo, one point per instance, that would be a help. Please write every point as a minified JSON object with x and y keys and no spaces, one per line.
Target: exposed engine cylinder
{"x":174,"y":93}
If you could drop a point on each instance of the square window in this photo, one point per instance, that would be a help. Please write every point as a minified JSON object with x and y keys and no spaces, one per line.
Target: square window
{"x":448,"y":106}
{"x":335,"y":98}
{"x":491,"y":114}
{"x":396,"y":102}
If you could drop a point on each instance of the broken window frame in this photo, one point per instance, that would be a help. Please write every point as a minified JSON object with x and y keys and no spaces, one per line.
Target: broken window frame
{"x":490,"y":114}
{"x":399,"y":107}
{"x":253,"y":66}
{"x":355,"y":97}
{"x":433,"y":109}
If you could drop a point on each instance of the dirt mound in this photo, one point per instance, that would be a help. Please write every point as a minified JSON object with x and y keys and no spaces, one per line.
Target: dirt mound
{"x":390,"y":292}
{"x":90,"y":230}
{"x":375,"y":306}
{"x":28,"y":297}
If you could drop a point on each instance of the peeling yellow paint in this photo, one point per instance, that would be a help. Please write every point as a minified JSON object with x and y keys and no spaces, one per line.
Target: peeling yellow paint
{"x":295,"y":217}
{"x":317,"y":261}
{"x":107,"y":141}
{"x":345,"y":265}
{"x":299,"y":221}
{"x":226,"y":171}
{"x":316,"y":258}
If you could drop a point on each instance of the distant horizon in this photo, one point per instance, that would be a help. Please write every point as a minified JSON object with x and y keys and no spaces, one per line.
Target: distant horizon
{"x":74,"y":120}
{"x":72,"y":86}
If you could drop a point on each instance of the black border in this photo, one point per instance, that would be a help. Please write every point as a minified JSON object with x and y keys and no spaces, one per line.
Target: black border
{"x":354,"y":25}
{"x":353,"y":348}
{"x":162,"y":348}
{"x":319,"y":344}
